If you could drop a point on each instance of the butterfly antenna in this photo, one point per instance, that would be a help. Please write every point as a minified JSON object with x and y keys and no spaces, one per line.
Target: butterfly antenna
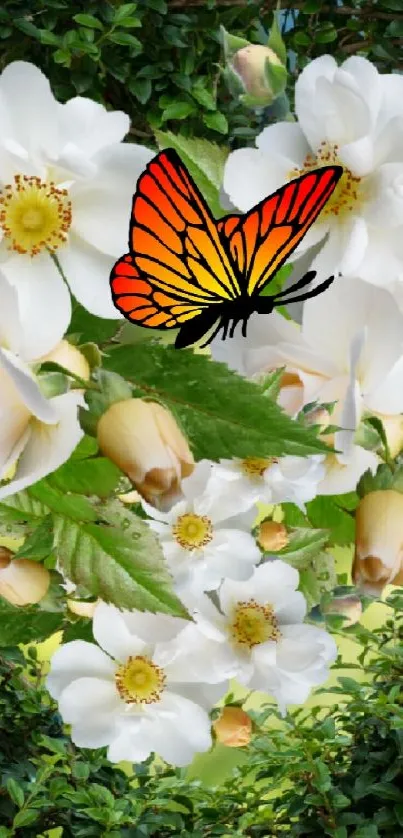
{"x":309,"y":294}
{"x":302,"y":283}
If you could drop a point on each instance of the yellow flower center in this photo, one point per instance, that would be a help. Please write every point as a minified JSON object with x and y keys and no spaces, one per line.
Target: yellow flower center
{"x":255,"y":467}
{"x":140,"y":681}
{"x":34,"y":215}
{"x":348,"y":192}
{"x":193,"y":531}
{"x":253,"y":624}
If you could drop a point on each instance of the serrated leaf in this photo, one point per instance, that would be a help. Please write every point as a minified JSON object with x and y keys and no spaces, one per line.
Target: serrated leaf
{"x":98,"y":476}
{"x":89,"y":327}
{"x":23,"y":625}
{"x":222,"y":414}
{"x":72,"y":506}
{"x":121,"y":563}
{"x":317,"y":579}
{"x":39,"y":544}
{"x":205,"y":161}
{"x":324,"y":512}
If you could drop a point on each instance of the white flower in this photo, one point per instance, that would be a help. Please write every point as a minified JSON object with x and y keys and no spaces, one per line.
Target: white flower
{"x":37,"y":434}
{"x":202,"y":539}
{"x":341,"y":353}
{"x":142,"y":696}
{"x":66,"y":185}
{"x":237,"y":485}
{"x":349,"y":115}
{"x":261,"y":621}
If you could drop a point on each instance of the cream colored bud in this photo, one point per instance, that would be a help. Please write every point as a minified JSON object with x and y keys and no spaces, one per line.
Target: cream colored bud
{"x":22,"y":582}
{"x":378,"y":559}
{"x":81,"y":608}
{"x":272,"y":537}
{"x":233,"y":728}
{"x":69,"y":357}
{"x":144,"y":440}
{"x":393,"y":426}
{"x":249,"y":64}
{"x":349,"y":607}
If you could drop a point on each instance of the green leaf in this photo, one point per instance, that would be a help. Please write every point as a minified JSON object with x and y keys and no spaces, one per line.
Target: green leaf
{"x":324,"y":512}
{"x":216,"y":121}
{"x":87,"y":447}
{"x":272,"y":384}
{"x":16,"y":792}
{"x":178,"y":110}
{"x":275,"y":41}
{"x":25,"y":817}
{"x":141,"y":89}
{"x":125,"y":39}
{"x":158,"y":6}
{"x":205,"y":161}
{"x":124,"y":11}
{"x":122,"y":563}
{"x":27,"y":624}
{"x":276,"y":76}
{"x":318,"y":578}
{"x":222,"y":414}
{"x":203,"y":95}
{"x":39,"y":544}
{"x":90,"y":327}
{"x":71,"y":506}
{"x":384,"y":478}
{"x":88,"y":20}
{"x":87,"y":477}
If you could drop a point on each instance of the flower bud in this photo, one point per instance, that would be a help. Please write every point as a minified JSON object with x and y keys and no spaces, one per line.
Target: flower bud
{"x":69,"y":357}
{"x":349,"y":607}
{"x":22,"y":582}
{"x":82,"y":608}
{"x":393,"y":426}
{"x":233,"y":728}
{"x":250,"y":65}
{"x":318,"y":416}
{"x":143,"y":439}
{"x":272,"y":537}
{"x":378,"y":559}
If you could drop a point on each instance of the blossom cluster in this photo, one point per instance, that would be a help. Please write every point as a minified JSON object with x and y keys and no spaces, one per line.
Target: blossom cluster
{"x":66,"y":184}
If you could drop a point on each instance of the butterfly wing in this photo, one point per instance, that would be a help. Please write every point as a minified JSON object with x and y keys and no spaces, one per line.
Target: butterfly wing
{"x":263,"y":239}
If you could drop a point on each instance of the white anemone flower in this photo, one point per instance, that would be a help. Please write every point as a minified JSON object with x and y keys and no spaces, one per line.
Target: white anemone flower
{"x":348,"y":350}
{"x":350,"y":116}
{"x":202,"y":539}
{"x":37,"y":434}
{"x":66,"y":184}
{"x":261,"y":621}
{"x":237,"y":485}
{"x":137,"y":694}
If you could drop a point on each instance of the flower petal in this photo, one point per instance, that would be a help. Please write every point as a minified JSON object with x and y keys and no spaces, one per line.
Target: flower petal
{"x":48,"y":446}
{"x":32,"y":108}
{"x":102,"y":204}
{"x":77,"y":659}
{"x":94,"y":704}
{"x":87,"y":271}
{"x":27,"y":388}
{"x":40,"y":289}
{"x":341,"y":478}
{"x":89,"y":126}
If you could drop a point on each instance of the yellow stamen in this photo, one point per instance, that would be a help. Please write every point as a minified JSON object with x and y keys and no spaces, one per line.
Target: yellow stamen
{"x":253,"y":624}
{"x":255,"y":467}
{"x":348,"y":193}
{"x":193,"y":531}
{"x":140,"y":681}
{"x":34,"y":215}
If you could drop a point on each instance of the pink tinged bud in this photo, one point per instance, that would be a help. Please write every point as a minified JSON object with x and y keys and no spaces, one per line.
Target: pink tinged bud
{"x":349,"y":607}
{"x":378,"y":559}
{"x":233,"y":728}
{"x":249,"y":64}
{"x":22,"y":582}
{"x":144,"y":440}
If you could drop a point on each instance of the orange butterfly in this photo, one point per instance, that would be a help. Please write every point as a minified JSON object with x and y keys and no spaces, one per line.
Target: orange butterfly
{"x":186,"y":270}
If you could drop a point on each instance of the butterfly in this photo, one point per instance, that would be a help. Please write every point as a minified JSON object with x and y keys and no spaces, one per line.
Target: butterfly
{"x":186,"y":270}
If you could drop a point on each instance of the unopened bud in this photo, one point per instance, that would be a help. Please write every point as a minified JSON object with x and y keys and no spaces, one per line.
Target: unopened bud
{"x":82,"y":608}
{"x":378,"y":559}
{"x":349,"y":607}
{"x":272,"y":537}
{"x":22,"y":582}
{"x":144,"y":440}
{"x":251,"y":66}
{"x":318,"y":416}
{"x":233,"y":728}
{"x":69,"y":357}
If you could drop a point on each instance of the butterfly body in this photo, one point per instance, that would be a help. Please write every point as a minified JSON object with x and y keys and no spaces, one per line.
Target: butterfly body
{"x":186,"y":270}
